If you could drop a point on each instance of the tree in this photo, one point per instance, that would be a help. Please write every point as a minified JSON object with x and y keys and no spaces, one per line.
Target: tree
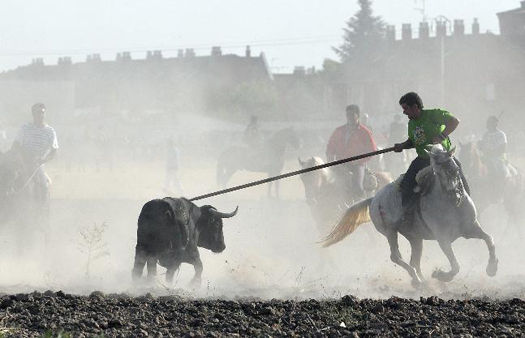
{"x":363,"y":35}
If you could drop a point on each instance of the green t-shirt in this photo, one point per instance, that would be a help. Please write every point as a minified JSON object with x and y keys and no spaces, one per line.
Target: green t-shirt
{"x":422,"y":130}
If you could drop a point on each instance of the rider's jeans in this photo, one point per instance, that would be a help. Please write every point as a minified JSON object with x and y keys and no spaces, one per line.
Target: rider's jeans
{"x":409,"y":180}
{"x":359,"y":176}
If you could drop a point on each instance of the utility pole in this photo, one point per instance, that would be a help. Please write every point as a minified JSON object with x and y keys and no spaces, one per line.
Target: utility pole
{"x":422,"y":9}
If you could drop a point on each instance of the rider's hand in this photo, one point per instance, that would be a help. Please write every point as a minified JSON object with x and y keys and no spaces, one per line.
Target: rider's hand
{"x":39,"y":160}
{"x":398,"y":147}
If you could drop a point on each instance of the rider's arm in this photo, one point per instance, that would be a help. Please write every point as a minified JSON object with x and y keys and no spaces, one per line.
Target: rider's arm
{"x":49,"y":156}
{"x":399,"y":147}
{"x":450,"y":126}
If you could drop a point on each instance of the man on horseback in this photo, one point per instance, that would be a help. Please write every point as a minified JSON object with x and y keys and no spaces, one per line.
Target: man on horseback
{"x":252,"y":135}
{"x":39,"y":142}
{"x":493,"y":145}
{"x":348,"y":140}
{"x":425,"y":127}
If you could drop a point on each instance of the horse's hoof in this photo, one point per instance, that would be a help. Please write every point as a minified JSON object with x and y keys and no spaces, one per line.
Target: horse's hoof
{"x":416,"y":283}
{"x":442,"y":276}
{"x":492,"y":268}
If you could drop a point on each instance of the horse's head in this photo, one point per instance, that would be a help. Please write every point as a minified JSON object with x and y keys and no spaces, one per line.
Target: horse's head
{"x":445,"y":168}
{"x":314,"y":180}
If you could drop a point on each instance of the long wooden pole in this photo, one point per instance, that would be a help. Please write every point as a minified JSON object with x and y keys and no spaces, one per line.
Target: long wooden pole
{"x":293,"y":173}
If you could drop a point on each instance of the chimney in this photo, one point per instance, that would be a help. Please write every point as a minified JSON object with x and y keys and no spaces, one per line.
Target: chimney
{"x":124,"y":56}
{"x":64,"y":61}
{"x":424,"y":30}
{"x":180,"y":53}
{"x":406,"y":31}
{"x":37,"y":62}
{"x":441,"y":29}
{"x":523,"y":5}
{"x":190,"y":53}
{"x":248,"y":52}
{"x":459,"y":28}
{"x":475,"y":25}
{"x":390,"y":33}
{"x":216,"y":51}
{"x":154,"y":55}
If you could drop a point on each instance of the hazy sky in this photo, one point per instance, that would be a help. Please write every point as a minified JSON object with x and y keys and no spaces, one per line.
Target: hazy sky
{"x":290,"y":32}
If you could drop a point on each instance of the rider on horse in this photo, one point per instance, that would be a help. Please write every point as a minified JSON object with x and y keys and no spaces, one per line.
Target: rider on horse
{"x":425,"y":127}
{"x":39,"y":141}
{"x":493,"y":145}
{"x":252,"y":134}
{"x":348,"y":140}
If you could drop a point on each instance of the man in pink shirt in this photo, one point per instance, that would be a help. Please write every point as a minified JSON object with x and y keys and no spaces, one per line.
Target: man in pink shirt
{"x":348,"y":140}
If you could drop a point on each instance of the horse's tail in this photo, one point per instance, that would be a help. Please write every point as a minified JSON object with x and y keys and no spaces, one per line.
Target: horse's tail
{"x":353,"y":217}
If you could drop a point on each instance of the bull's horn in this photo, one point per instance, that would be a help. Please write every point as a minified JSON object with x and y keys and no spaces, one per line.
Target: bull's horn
{"x":224,"y":214}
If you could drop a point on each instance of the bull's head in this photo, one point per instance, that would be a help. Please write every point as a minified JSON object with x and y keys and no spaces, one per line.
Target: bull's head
{"x":211,"y":236}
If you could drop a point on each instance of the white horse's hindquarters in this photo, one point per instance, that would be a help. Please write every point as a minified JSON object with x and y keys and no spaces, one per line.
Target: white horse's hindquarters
{"x":386,"y":208}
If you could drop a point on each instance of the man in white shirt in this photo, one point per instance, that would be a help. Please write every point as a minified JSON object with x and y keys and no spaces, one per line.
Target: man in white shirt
{"x":39,"y":143}
{"x":493,"y":145}
{"x":494,"y":141}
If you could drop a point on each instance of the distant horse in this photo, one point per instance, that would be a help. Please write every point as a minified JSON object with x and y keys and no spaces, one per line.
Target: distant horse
{"x":502,"y":183}
{"x":327,"y":196}
{"x":20,"y":202}
{"x":269,"y":158}
{"x":445,"y":212}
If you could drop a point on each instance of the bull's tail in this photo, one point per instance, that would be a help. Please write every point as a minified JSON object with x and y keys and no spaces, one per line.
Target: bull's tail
{"x":353,"y":217}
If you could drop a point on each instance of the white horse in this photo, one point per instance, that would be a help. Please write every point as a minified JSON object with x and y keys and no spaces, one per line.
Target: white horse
{"x":444,"y":213}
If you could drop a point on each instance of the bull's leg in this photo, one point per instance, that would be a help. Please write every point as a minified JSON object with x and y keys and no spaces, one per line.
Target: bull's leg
{"x":170,"y":273}
{"x":152,"y":268}
{"x":447,"y":276}
{"x":138,"y":267}
{"x":197,"y":265}
{"x":415,"y":257}
{"x":477,"y":232}
{"x":396,"y":257}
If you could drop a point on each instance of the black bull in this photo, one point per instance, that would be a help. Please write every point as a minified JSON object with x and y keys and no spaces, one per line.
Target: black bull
{"x":170,"y":230}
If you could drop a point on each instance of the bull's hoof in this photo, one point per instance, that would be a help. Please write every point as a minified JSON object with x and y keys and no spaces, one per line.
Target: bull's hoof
{"x":492,"y":268}
{"x":443,"y":276}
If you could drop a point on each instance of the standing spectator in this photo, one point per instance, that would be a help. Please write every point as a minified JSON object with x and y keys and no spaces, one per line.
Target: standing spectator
{"x":172,"y":170}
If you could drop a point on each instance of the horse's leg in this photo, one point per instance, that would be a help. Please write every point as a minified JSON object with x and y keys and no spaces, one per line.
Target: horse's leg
{"x":396,"y":257}
{"x":444,"y":276}
{"x":415,"y":257}
{"x":477,"y":232}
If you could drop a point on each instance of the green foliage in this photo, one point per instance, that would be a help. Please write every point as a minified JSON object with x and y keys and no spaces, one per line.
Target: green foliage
{"x":363,"y":35}
{"x":92,"y":244}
